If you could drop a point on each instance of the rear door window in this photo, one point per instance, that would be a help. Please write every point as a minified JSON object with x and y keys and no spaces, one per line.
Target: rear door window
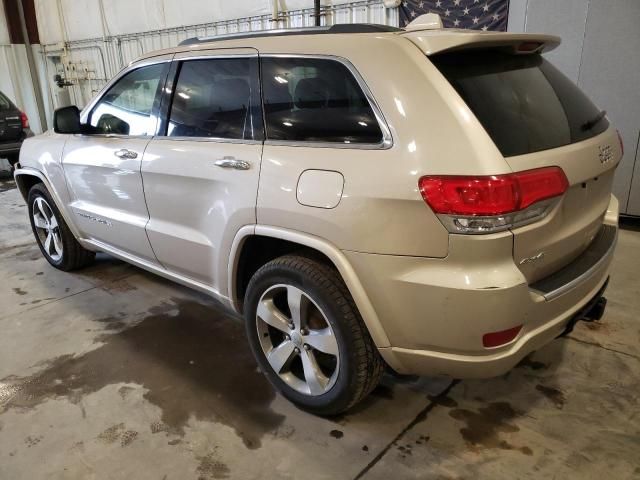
{"x":213,"y":98}
{"x":524,"y":103}
{"x":316,"y":100}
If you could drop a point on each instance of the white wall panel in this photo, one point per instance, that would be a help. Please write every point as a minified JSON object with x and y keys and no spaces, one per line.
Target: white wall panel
{"x":191,"y":12}
{"x":517,"y":16}
{"x":81,"y":19}
{"x":97,"y":18}
{"x":78,"y":20}
{"x":567,"y":19}
{"x":4,"y":32}
{"x":49,"y":26}
{"x":126,"y":16}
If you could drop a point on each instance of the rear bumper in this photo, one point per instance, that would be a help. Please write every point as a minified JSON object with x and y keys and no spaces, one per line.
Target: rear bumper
{"x":436,"y":311}
{"x":423,"y":362}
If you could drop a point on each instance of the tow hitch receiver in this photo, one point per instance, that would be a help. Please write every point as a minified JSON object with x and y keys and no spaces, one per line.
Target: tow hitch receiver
{"x":591,"y":312}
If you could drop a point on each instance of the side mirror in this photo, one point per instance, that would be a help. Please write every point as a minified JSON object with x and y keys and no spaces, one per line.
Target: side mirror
{"x":67,"y":120}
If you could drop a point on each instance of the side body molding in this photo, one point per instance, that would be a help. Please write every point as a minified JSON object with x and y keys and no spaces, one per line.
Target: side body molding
{"x":334,"y":254}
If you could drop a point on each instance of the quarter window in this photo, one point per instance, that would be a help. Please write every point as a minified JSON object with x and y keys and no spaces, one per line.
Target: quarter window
{"x":213,"y":99}
{"x":126,"y":108}
{"x":316,"y":100}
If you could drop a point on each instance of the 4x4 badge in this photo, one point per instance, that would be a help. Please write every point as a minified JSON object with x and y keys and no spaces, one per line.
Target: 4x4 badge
{"x":529,"y":260}
{"x":606,"y":154}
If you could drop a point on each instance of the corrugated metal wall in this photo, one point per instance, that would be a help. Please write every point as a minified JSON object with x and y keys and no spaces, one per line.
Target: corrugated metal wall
{"x":86,"y":65}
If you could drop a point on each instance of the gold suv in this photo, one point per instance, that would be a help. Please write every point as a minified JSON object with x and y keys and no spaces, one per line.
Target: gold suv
{"x":433,"y":201}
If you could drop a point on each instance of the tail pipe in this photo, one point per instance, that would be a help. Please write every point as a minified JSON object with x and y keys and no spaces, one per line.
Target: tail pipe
{"x":591,"y":312}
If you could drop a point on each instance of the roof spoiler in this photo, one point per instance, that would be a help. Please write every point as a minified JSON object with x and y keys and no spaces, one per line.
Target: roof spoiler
{"x":446,"y":40}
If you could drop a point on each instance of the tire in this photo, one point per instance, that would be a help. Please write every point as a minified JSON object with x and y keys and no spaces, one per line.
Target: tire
{"x":61,"y":250}
{"x":336,"y":364}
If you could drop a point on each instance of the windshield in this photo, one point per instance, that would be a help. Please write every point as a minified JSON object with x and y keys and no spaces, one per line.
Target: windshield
{"x":524,"y":103}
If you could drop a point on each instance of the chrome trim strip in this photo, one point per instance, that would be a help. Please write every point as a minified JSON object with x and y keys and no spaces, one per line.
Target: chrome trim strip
{"x":512,"y":220}
{"x":209,"y":139}
{"x":584,"y":276}
{"x":387,"y":138}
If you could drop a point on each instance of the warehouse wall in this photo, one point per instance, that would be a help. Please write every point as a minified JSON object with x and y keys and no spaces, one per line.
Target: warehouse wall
{"x":599,"y":51}
{"x":71,"y":20}
{"x":15,"y":81}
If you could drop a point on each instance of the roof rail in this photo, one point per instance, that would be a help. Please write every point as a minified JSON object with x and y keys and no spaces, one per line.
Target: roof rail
{"x":338,"y":28}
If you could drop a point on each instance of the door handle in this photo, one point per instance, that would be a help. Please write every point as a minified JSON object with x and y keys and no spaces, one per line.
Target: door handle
{"x":124,"y":153}
{"x":231,"y":162}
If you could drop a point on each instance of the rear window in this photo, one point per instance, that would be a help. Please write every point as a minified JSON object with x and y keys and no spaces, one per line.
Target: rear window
{"x":5,"y":104}
{"x":315,"y":100}
{"x":525,"y":104}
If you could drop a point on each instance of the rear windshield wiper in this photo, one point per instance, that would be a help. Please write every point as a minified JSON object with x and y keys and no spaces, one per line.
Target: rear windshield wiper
{"x":594,"y":121}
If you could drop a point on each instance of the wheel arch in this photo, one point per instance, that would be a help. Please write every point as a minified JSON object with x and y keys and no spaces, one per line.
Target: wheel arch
{"x":26,"y":178}
{"x":287,"y":241}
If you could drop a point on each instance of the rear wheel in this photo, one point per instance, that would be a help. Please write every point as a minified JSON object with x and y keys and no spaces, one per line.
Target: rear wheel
{"x":56,"y":242}
{"x":308,"y":337}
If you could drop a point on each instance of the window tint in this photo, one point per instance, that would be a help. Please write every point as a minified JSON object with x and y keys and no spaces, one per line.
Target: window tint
{"x":524,"y":103}
{"x":126,"y":108}
{"x":315,"y":100}
{"x":212,"y":98}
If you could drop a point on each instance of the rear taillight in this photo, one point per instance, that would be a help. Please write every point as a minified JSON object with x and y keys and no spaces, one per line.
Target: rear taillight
{"x":621,"y":142}
{"x":24,"y":119}
{"x":486,"y":204}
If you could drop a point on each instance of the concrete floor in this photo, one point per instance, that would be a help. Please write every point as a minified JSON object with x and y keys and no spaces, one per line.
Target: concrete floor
{"x":112,"y":373}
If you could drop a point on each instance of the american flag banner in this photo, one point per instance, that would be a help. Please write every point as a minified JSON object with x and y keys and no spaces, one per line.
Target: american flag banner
{"x":475,"y":14}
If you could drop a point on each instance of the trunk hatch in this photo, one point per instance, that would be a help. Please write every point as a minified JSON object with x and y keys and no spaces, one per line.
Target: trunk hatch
{"x":537,"y":118}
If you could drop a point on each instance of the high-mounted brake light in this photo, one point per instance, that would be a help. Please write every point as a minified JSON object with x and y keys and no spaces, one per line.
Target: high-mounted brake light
{"x":24,"y":119}
{"x":529,"y":47}
{"x":484,"y":204}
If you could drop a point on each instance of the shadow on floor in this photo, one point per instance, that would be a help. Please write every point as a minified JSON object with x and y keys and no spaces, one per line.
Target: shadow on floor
{"x":192,"y":358}
{"x":630,"y":223}
{"x":6,"y":181}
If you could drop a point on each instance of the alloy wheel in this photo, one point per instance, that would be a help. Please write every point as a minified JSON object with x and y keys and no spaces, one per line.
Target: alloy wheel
{"x":47,"y":229}
{"x":297,"y":340}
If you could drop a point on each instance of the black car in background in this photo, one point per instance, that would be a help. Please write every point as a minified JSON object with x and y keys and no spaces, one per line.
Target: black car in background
{"x":14,"y":128}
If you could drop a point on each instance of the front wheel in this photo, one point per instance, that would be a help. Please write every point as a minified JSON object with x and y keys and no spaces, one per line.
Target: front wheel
{"x":56,"y":242}
{"x":308,"y":337}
